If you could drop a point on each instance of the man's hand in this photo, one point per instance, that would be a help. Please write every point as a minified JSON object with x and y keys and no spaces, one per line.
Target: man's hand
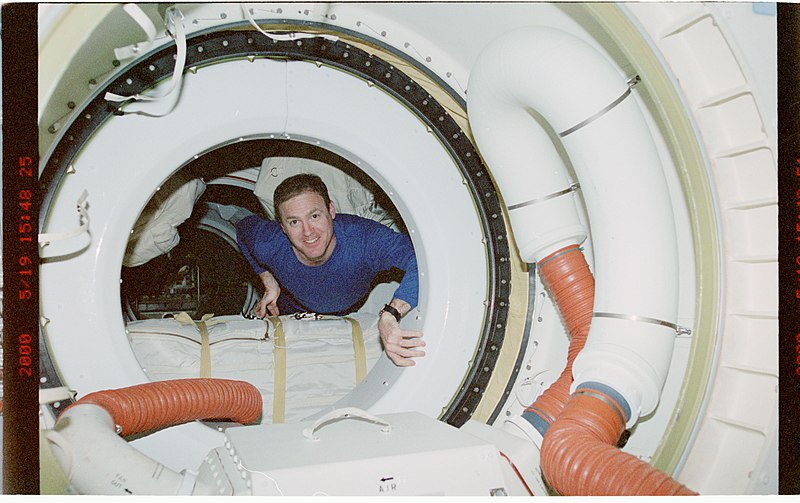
{"x":269,"y":301}
{"x":399,"y":344}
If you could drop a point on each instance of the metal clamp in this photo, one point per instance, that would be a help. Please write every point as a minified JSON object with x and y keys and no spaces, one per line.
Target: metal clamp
{"x":644,"y":319}
{"x":572,"y":188}
{"x":614,"y":406}
{"x":632,"y":82}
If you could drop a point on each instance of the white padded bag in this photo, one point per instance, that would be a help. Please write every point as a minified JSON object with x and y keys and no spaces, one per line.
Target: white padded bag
{"x":319,"y":355}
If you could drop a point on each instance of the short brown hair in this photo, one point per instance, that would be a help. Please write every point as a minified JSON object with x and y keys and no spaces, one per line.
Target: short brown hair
{"x":296,"y":185}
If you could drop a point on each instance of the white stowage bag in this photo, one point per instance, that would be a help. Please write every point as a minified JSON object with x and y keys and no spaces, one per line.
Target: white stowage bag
{"x":156,"y":230}
{"x":320,"y":355}
{"x":347,"y":194}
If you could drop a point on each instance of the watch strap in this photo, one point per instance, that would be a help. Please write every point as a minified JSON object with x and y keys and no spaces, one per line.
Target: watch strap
{"x":391,"y":310}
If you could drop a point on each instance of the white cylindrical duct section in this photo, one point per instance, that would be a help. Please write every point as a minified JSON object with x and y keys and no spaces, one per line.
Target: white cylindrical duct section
{"x":542,"y":210}
{"x":587,"y":102}
{"x":97,"y":461}
{"x":636,"y":259}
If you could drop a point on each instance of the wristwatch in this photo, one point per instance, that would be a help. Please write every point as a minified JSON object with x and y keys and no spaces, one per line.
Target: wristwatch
{"x":391,"y":310}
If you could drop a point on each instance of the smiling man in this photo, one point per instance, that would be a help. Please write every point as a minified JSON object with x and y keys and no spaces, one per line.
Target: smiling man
{"x":315,"y":260}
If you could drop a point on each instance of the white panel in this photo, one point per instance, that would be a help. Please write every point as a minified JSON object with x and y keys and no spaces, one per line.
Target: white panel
{"x":748,"y":178}
{"x":743,"y":397}
{"x":753,"y":344}
{"x":662,"y":19}
{"x":760,"y":225}
{"x":415,"y":456}
{"x":730,"y":126}
{"x":723,"y":450}
{"x":712,"y":71}
{"x":760,"y":297}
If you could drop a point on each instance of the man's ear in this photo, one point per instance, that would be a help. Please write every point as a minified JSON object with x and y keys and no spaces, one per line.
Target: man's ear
{"x":332,"y":210}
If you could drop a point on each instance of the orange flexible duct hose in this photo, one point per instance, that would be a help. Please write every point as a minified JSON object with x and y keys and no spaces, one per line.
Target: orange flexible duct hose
{"x":579,"y":456}
{"x":149,"y":406}
{"x":571,"y":284}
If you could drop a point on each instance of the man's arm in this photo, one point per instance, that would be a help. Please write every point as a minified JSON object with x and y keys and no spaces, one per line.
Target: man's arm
{"x":400,"y":345}
{"x":248,"y":231}
{"x":269,"y":301}
{"x":388,"y":249}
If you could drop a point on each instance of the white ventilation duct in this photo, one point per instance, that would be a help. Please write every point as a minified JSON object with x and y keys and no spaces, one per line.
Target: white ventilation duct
{"x":621,"y":178}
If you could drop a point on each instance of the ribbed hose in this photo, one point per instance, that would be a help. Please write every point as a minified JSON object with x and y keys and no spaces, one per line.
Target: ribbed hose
{"x":160,"y":404}
{"x":571,"y":285}
{"x":579,"y":456}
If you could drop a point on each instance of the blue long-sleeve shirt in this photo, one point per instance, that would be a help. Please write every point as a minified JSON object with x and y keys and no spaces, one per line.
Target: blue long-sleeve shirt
{"x":364,"y":248}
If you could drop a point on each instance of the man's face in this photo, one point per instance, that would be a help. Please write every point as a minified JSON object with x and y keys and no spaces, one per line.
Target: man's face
{"x":309,"y":226}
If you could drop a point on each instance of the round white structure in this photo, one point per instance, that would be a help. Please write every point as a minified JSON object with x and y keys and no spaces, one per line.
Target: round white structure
{"x":384,"y":86}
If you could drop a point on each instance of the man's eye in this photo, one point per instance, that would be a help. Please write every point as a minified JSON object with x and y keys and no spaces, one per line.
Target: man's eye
{"x":293,"y":222}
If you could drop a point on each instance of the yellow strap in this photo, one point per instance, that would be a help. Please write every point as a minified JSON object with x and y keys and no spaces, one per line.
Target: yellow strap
{"x":205,"y":346}
{"x":279,"y":398}
{"x":358,"y":349}
{"x":205,"y":350}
